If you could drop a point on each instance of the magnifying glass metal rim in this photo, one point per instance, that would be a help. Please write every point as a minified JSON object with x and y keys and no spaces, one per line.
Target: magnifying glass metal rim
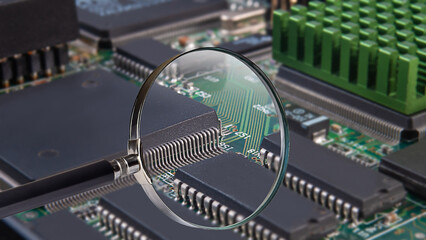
{"x":134,"y":147}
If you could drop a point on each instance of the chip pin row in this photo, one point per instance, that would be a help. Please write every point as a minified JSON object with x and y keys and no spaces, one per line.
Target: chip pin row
{"x":189,"y":149}
{"x":183,"y":151}
{"x":219,"y":213}
{"x":180,"y":152}
{"x":357,"y":160}
{"x":86,"y":213}
{"x":130,"y":67}
{"x":340,"y":207}
{"x":90,"y":194}
{"x":347,"y":115}
{"x":118,"y":227}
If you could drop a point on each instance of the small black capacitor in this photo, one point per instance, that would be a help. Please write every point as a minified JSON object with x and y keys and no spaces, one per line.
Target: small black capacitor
{"x":18,"y":68}
{"x":33,"y":64}
{"x":61,"y":56}
{"x":5,"y":72}
{"x":47,"y":61}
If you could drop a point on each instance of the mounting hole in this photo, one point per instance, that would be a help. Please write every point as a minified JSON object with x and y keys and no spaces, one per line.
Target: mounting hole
{"x":313,"y":220}
{"x":49,"y":153}
{"x":90,"y":84}
{"x":384,"y":190}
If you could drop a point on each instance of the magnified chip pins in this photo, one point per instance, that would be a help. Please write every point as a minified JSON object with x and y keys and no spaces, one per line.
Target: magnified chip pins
{"x":160,"y":159}
{"x":224,"y":82}
{"x":91,"y":194}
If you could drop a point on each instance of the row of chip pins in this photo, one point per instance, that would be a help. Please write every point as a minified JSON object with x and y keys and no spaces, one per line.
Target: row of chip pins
{"x":183,"y":151}
{"x":131,"y":68}
{"x":219,"y":213}
{"x":33,"y":64}
{"x":341,"y":208}
{"x":113,"y":225}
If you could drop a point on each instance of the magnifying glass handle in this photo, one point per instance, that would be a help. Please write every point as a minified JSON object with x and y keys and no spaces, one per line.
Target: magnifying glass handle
{"x":40,"y":192}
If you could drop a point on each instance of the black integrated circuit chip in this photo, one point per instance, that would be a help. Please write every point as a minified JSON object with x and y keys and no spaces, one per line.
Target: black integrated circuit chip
{"x":141,"y":56}
{"x":132,"y":206}
{"x":408,"y":165}
{"x":84,"y":117}
{"x":248,"y":45}
{"x":44,"y":26}
{"x":332,"y":180}
{"x":230,"y":194}
{"x":146,"y":51}
{"x":61,"y":225}
{"x":115,"y":19}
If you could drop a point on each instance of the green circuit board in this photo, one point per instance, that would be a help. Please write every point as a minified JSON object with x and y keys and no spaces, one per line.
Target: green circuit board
{"x":408,"y":221}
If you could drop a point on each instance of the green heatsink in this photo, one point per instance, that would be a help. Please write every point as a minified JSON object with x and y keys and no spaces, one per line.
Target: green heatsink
{"x":374,"y":49}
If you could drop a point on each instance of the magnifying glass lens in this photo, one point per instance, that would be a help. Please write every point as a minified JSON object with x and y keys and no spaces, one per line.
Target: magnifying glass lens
{"x":210,"y":160}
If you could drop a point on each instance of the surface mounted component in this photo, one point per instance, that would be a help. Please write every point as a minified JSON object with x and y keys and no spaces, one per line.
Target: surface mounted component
{"x":129,"y":213}
{"x":364,"y":160}
{"x":375,"y":51}
{"x":62,"y":225}
{"x":5,"y":72}
{"x":19,"y":68}
{"x":47,"y":60}
{"x":84,"y":117}
{"x":140,"y":57}
{"x":251,"y":46}
{"x":61,"y":56}
{"x":227,"y":197}
{"x":336,"y":128}
{"x":174,"y":154}
{"x":408,"y":165}
{"x":51,"y":25}
{"x":328,"y":178}
{"x":339,"y":148}
{"x":354,"y":111}
{"x":110,"y":21}
{"x":307,"y":123}
{"x":34,"y":64}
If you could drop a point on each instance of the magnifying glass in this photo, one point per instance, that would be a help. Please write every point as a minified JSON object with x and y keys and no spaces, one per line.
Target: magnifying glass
{"x":247,"y":108}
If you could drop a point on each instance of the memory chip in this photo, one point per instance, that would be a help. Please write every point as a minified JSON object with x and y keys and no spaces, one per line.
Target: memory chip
{"x":133,"y":207}
{"x":61,"y":225}
{"x":288,"y":216}
{"x":112,"y":20}
{"x":84,"y":117}
{"x":141,"y":56}
{"x":408,"y":165}
{"x":351,"y":190}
